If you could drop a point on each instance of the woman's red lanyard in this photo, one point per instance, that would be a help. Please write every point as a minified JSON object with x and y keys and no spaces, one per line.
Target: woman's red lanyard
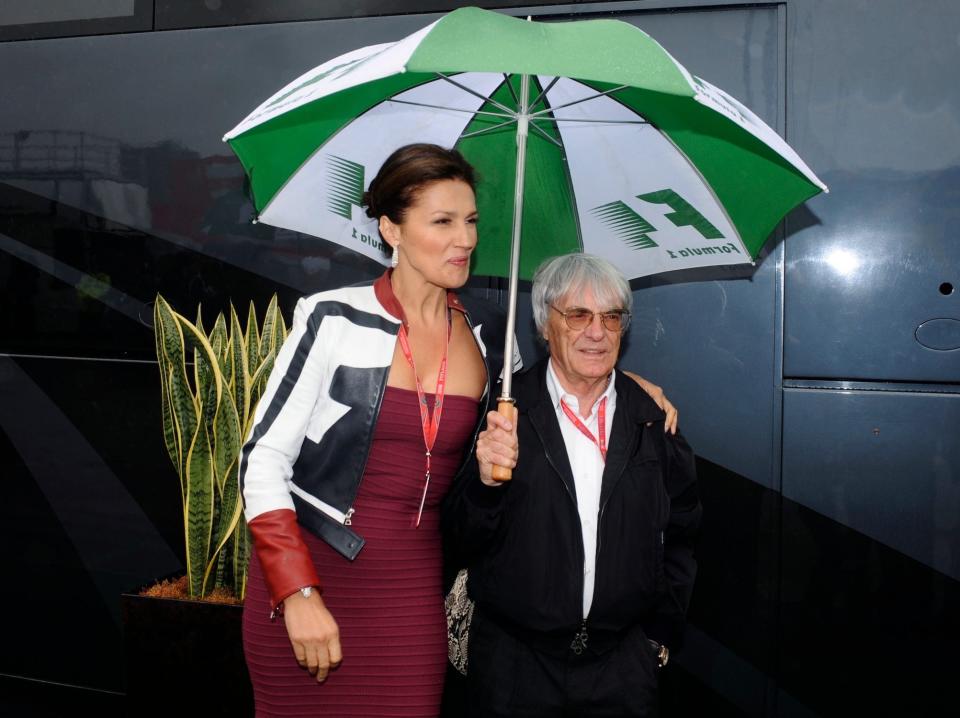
{"x":601,"y":425}
{"x":430,"y":421}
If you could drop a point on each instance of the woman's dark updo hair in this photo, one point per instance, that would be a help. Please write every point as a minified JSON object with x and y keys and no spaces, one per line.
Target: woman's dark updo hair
{"x":405,"y":173}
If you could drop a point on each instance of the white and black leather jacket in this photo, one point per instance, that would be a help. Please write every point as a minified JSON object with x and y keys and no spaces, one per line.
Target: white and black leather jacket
{"x":308,"y":447}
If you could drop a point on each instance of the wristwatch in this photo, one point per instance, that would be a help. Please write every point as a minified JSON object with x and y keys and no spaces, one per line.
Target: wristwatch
{"x":663,"y":653}
{"x":306,"y":591}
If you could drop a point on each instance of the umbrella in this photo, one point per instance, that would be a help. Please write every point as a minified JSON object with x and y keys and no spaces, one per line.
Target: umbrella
{"x":588,"y":136}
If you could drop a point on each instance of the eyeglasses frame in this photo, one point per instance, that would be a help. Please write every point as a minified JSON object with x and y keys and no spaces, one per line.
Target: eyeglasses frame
{"x":624,"y":318}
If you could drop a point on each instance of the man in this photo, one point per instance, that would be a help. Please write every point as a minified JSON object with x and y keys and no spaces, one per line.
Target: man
{"x":581,"y":567}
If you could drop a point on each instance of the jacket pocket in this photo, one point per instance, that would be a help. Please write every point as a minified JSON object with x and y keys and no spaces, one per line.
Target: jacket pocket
{"x":658,"y":546}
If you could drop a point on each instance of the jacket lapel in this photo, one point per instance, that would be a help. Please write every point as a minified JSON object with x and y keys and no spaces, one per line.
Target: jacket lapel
{"x":619,"y":449}
{"x":634,"y":410}
{"x":543,"y":417}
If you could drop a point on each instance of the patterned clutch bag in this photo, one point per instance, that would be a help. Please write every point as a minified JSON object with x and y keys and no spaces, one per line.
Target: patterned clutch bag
{"x":459,"y":610}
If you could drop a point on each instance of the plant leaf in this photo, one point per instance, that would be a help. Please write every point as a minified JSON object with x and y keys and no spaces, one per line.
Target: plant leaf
{"x":267,"y":336}
{"x":231,"y":513}
{"x":238,"y":369}
{"x":209,"y":380}
{"x":219,"y":340}
{"x":252,"y":339}
{"x":241,"y":559}
{"x":183,"y":404}
{"x":198,"y":513}
{"x":259,"y":381}
{"x":226,"y":440}
{"x":170,"y":438}
{"x":206,"y":388}
{"x":280,"y":331}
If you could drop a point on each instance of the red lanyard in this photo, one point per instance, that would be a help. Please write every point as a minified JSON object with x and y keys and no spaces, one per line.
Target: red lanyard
{"x":601,"y":425}
{"x":430,"y":420}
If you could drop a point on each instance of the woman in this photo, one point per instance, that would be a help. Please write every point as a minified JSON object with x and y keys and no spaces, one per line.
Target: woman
{"x":371,"y":408}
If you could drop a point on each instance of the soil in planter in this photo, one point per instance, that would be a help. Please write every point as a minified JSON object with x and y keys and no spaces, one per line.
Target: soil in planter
{"x":177,"y":588}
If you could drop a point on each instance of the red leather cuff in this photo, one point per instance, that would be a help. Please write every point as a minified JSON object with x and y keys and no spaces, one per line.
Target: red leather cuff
{"x":285,"y":558}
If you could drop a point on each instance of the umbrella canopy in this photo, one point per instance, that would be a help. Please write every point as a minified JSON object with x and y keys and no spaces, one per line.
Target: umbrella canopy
{"x":629,"y":156}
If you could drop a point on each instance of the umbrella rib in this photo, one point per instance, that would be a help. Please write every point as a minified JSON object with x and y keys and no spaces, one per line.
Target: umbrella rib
{"x":506,"y":81}
{"x":577,"y":102}
{"x":511,"y":113}
{"x":451,"y":109}
{"x":544,"y":91}
{"x":487,"y":129}
{"x":584,"y":119}
{"x":545,"y":136}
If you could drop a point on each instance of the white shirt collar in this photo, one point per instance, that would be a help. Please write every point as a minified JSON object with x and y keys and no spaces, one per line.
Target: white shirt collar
{"x":557,"y":392}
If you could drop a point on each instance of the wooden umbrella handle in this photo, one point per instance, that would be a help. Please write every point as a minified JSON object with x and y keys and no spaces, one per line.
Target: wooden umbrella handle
{"x":507,"y":408}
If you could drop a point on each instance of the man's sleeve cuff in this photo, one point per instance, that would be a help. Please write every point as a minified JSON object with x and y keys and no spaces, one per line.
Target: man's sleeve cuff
{"x":483,"y":496}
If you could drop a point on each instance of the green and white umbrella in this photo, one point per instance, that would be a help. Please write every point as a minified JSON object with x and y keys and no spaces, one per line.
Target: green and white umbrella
{"x":620,"y":150}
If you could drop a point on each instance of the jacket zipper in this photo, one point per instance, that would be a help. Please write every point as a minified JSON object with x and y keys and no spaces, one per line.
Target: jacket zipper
{"x":348,"y":516}
{"x":596,"y":558}
{"x":603,"y":506}
{"x":581,"y":637}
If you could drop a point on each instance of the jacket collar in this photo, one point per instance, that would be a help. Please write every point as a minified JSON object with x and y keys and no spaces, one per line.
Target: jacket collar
{"x":383,"y":289}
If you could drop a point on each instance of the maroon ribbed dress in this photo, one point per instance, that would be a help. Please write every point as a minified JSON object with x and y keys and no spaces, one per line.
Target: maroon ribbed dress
{"x":388,"y":602}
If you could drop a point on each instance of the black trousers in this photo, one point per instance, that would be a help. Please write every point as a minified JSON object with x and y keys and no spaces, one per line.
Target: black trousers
{"x":514,"y":673}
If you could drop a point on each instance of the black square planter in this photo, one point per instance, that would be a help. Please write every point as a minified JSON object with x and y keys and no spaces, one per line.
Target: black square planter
{"x":184,"y":658}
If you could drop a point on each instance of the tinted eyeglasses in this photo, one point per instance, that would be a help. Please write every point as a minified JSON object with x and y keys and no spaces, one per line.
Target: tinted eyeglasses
{"x":579,"y":318}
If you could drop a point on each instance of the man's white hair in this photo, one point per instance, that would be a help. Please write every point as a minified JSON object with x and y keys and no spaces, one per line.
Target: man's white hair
{"x":573,"y":274}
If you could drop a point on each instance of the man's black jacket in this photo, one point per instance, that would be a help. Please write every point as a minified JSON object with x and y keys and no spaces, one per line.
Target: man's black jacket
{"x":523,"y":544}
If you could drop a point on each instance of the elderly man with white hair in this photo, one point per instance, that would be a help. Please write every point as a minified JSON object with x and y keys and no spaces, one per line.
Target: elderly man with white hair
{"x":581,"y":567}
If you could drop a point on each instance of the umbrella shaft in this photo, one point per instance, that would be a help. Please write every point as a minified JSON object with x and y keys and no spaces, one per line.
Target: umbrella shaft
{"x":523,"y":121}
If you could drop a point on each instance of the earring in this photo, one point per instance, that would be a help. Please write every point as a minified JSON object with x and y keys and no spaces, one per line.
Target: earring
{"x":395,"y":257}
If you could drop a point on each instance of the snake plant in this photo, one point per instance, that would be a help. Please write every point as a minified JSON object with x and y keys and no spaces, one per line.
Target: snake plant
{"x":210,"y":387}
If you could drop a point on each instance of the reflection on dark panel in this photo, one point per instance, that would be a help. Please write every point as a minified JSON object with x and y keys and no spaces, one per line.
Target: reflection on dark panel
{"x":95,"y":509}
{"x":49,"y":598}
{"x":865,"y":272}
{"x":39,"y":699}
{"x":884,"y":463}
{"x":85,"y":285}
{"x":27,"y":19}
{"x":115,"y":407}
{"x":682,"y":694}
{"x":173,"y":14}
{"x":732,"y":616}
{"x":866,"y":631}
{"x":736,"y":553}
{"x":108,"y":199}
